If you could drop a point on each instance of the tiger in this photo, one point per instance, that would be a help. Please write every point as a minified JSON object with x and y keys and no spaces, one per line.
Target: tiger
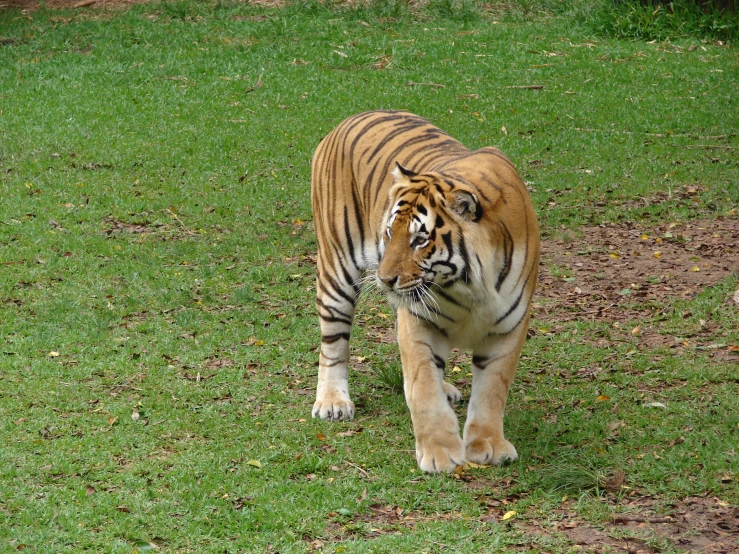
{"x":451,"y":237}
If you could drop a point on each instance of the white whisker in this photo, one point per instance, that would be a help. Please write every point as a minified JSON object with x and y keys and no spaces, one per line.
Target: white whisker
{"x":431,"y":299}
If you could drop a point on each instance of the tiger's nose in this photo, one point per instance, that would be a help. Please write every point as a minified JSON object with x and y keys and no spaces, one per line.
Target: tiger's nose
{"x":388,"y":281}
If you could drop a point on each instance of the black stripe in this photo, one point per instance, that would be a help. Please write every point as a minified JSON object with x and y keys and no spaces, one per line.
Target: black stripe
{"x":331,"y":319}
{"x":330,"y":339}
{"x":338,"y":289}
{"x":507,"y":255}
{"x":349,"y":240}
{"x":437,"y":312}
{"x":358,"y":215}
{"x":518,"y":300}
{"x":481,"y":362}
{"x":332,"y":310}
{"x":448,"y":297}
{"x":465,"y":258}
{"x":447,"y":238}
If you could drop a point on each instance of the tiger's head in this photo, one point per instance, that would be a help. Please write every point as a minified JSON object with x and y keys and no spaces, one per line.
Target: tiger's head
{"x":423,"y":243}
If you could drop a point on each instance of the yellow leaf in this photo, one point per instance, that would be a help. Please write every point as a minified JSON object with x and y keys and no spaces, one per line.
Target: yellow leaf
{"x":321,"y":437}
{"x":112,"y":420}
{"x":615,"y":255}
{"x":602,"y":398}
{"x":644,"y":236}
{"x":456,"y":369}
{"x":657,"y":254}
{"x":509,"y":515}
{"x":636,"y":330}
{"x":255,"y":463}
{"x":695,"y":268}
{"x":53,"y":354}
{"x":474,"y":465}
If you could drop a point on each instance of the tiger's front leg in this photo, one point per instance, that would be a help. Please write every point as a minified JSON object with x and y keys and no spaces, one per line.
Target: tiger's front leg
{"x":335,"y":302}
{"x":493,"y":368}
{"x":423,"y":352}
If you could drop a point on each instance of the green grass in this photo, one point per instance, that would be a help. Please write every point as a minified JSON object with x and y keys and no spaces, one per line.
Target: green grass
{"x":650,"y":20}
{"x":156,"y":245}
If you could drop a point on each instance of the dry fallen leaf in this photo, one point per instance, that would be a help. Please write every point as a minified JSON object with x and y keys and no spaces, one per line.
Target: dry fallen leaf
{"x":321,"y":437}
{"x":654,"y":405}
{"x":615,"y":481}
{"x":509,"y":515}
{"x":736,"y":297}
{"x":349,"y":433}
{"x":254,"y":463}
{"x":602,"y":398}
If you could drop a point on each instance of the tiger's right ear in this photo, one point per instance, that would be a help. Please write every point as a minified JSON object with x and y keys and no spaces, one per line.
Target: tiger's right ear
{"x":402,"y":175}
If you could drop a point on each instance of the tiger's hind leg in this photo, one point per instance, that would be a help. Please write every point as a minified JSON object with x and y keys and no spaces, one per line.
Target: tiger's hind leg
{"x":335,"y":299}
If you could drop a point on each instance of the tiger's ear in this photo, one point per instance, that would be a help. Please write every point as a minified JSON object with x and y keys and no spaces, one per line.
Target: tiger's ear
{"x":402,"y":175}
{"x":466,"y":205}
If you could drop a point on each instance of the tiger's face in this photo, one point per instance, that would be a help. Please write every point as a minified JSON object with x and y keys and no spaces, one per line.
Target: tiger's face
{"x":423,"y":239}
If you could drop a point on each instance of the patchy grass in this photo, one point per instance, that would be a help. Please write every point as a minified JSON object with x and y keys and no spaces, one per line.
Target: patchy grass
{"x":157,"y":266}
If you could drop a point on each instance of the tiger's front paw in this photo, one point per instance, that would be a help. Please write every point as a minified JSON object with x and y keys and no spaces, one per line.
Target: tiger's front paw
{"x":334,"y":408}
{"x":440,"y":454}
{"x":485,"y":452}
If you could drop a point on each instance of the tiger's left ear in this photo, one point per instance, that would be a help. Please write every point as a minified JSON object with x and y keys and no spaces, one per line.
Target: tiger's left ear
{"x":402,"y":175}
{"x":466,"y":205}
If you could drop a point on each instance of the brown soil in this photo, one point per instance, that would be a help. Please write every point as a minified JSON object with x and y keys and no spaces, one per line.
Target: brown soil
{"x":32,"y":5}
{"x":693,"y":525}
{"x":618,"y":272}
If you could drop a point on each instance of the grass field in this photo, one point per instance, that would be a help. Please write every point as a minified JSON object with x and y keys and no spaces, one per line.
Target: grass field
{"x":157,"y":330}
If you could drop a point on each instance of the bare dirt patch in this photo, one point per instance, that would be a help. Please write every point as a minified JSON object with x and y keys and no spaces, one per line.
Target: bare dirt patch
{"x":692,"y":525}
{"x":32,"y":5}
{"x":601,"y":272}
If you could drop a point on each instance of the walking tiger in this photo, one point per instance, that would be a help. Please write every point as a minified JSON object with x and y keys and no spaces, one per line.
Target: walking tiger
{"x":450,"y":235}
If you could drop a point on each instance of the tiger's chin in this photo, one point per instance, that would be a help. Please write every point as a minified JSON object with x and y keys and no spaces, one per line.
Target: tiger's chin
{"x":397,"y":300}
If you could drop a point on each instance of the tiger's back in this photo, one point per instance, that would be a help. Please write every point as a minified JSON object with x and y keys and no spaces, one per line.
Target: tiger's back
{"x":453,"y":239}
